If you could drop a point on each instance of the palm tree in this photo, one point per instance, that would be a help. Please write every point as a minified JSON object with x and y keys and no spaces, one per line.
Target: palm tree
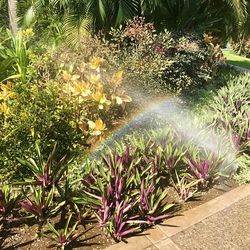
{"x":12,"y":11}
{"x":223,"y":17}
{"x":73,"y":17}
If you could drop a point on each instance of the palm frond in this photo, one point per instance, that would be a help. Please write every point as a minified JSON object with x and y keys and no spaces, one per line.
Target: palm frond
{"x":75,"y":27}
{"x":126,"y":9}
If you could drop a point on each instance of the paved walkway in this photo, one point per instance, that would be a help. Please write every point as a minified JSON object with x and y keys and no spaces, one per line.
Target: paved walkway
{"x":220,"y":224}
{"x":228,"y":229}
{"x":240,"y":68}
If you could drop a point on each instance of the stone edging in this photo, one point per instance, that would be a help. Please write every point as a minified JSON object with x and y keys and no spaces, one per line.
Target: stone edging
{"x":158,"y":237}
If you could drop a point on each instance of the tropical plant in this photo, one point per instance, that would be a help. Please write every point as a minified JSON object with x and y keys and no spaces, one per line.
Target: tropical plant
{"x":62,"y":238}
{"x":230,"y":110}
{"x":204,"y":171}
{"x":47,"y":174}
{"x":39,"y":203}
{"x":14,"y":56}
{"x":73,"y":19}
{"x":125,"y":192}
{"x":151,"y":202}
{"x":185,"y":189}
{"x":9,"y":199}
{"x":122,"y":224}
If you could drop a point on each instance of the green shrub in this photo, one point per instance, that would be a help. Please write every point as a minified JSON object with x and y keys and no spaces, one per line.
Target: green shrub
{"x":242,"y":47}
{"x":243,"y":173}
{"x":74,"y":109}
{"x":34,"y":113}
{"x":14,"y":56}
{"x":230,"y":109}
{"x":155,"y":62}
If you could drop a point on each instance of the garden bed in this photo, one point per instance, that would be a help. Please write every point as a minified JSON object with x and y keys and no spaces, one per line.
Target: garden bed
{"x":21,"y":235}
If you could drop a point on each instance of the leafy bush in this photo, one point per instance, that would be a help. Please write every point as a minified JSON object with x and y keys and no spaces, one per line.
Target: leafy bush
{"x":74,"y":110}
{"x":230,"y":109}
{"x":242,"y":175}
{"x":47,"y":174}
{"x":14,"y":56}
{"x":242,"y":47}
{"x":127,"y":193}
{"x":173,"y":61}
{"x":153,"y":62}
{"x":204,"y":171}
{"x":39,"y":203}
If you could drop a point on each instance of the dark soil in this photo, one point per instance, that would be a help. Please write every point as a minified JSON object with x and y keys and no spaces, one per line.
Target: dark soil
{"x":23,"y":237}
{"x":90,"y":236}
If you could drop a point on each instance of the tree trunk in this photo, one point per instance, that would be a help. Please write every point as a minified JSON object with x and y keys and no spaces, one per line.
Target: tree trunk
{"x":12,"y":10}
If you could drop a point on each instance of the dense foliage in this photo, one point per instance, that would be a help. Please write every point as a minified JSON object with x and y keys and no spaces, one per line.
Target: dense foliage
{"x":71,"y":104}
{"x":152,"y":62}
{"x":123,"y":188}
{"x":230,"y":109}
{"x":75,"y":69}
{"x":71,"y":19}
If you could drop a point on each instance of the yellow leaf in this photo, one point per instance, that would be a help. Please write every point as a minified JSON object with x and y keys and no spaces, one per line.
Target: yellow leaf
{"x":99,"y":86}
{"x":118,"y":100}
{"x":80,"y":88}
{"x":97,"y":96}
{"x":75,"y":77}
{"x":117,"y":77}
{"x":99,"y":125}
{"x":4,"y":109}
{"x":6,"y":91}
{"x":95,"y":63}
{"x":66,"y":76}
{"x":95,"y":78}
{"x":91,"y":124}
{"x":103,"y":99}
{"x":100,"y":106}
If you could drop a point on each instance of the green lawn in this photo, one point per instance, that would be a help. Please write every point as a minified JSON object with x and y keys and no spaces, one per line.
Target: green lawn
{"x":234,"y":59}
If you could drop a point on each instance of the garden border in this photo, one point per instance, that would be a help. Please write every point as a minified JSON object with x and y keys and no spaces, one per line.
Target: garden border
{"x":158,"y":237}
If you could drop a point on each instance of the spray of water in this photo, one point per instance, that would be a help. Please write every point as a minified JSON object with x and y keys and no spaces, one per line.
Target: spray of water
{"x":172,"y":112}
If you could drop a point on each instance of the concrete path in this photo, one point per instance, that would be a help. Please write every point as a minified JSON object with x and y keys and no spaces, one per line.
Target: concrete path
{"x":222,"y":223}
{"x":228,"y":229}
{"x":241,"y":69}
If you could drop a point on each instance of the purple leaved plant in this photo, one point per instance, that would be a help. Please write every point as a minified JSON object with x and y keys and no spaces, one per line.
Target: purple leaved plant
{"x":204,"y":171}
{"x":8,"y":203}
{"x":122,"y":224}
{"x":39,"y":203}
{"x":63,"y":237}
{"x":46,"y":174}
{"x":185,"y":188}
{"x":151,"y":203}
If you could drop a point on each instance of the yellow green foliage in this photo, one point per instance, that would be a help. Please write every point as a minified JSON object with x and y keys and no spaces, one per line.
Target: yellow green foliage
{"x":74,"y":109}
